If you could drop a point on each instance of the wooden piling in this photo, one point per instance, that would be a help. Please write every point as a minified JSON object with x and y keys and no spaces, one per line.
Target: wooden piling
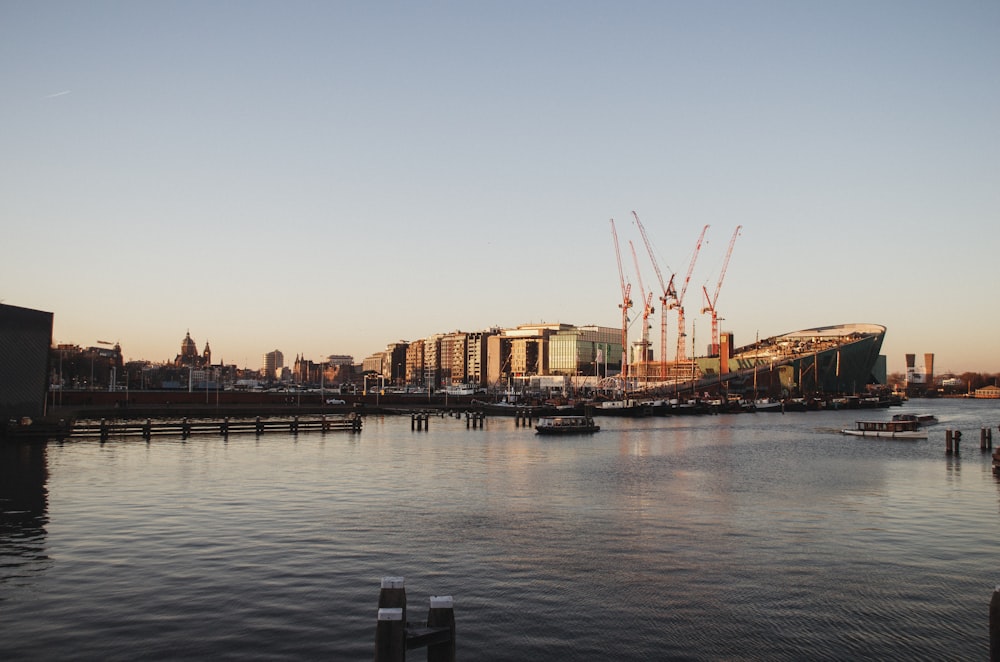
{"x":982,"y":438}
{"x":390,"y":628}
{"x":995,"y":626}
{"x":948,"y":442}
{"x":442,"y":615}
{"x":958,"y":440}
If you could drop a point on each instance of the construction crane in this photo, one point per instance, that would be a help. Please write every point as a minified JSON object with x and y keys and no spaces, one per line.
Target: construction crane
{"x":647,"y":308}
{"x":624,"y":305}
{"x":710,"y":300}
{"x":678,"y":302}
{"x":667,"y":293}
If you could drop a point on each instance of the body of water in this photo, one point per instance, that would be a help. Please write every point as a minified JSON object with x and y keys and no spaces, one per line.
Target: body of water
{"x":749,"y":536}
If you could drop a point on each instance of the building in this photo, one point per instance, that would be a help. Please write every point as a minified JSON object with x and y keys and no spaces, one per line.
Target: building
{"x":585,"y":350}
{"x":988,"y":392}
{"x":272,"y":364}
{"x":25,"y":339}
{"x":189,"y":356}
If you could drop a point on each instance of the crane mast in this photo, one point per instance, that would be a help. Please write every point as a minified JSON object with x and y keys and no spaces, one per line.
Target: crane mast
{"x":710,"y":301}
{"x":624,"y":305}
{"x":667,"y":292}
{"x":647,"y":308}
{"x":679,"y":301}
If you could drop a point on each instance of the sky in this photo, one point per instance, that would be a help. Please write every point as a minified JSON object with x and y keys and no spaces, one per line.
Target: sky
{"x":331,"y":177}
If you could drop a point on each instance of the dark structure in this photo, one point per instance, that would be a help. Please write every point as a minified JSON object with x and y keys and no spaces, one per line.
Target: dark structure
{"x":25,"y":338}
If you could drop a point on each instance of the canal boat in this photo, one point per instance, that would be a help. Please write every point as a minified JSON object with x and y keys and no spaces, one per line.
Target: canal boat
{"x":566,"y":425}
{"x":887,"y":429}
{"x":921,"y":419}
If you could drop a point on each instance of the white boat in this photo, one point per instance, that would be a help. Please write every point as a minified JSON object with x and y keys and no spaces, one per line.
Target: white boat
{"x":566,"y":425}
{"x":887,"y":429}
{"x":921,"y":419}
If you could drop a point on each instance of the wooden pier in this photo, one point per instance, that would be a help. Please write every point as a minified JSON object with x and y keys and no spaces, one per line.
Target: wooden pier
{"x":186,"y":427}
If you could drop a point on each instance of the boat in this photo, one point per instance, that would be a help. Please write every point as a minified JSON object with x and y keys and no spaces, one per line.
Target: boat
{"x":887,"y":429}
{"x":765,"y":405}
{"x":625,"y":407}
{"x":921,"y":419}
{"x":566,"y":425}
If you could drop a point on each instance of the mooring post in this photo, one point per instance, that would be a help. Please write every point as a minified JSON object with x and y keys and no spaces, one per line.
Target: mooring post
{"x":948,"y":444}
{"x":147,"y":429}
{"x":104,"y":429}
{"x":995,"y":626}
{"x":390,"y":628}
{"x":185,"y":428}
{"x":982,"y":438}
{"x":958,"y":439}
{"x":258,"y":426}
{"x":442,"y":615}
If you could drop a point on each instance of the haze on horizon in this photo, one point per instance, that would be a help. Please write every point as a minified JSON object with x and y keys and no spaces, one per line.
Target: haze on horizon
{"x":329,"y":178}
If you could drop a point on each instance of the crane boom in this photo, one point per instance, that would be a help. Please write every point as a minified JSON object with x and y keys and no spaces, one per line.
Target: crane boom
{"x":666,"y":292}
{"x":624,"y":305}
{"x":710,"y":301}
{"x":647,"y":307}
{"x":679,"y":300}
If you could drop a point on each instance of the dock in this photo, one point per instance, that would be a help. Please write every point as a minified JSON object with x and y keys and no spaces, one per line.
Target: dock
{"x":186,"y":427}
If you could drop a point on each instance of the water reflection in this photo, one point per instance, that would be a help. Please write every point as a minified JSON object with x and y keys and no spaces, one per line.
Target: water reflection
{"x":23,"y":511}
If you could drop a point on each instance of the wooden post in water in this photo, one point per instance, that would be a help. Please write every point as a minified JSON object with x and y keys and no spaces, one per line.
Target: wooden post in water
{"x":958,"y":439}
{"x":995,"y":626}
{"x":948,"y":444}
{"x":147,"y":429}
{"x":982,"y":438}
{"x":442,"y":615}
{"x":390,"y":628}
{"x":185,"y":428}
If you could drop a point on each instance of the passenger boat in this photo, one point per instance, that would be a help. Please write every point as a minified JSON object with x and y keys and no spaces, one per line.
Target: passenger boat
{"x":921,"y":419}
{"x":566,"y":425}
{"x":887,"y":429}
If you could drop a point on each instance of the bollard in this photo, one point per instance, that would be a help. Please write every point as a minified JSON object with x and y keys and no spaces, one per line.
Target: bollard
{"x":390,"y":635}
{"x":995,"y":626}
{"x":442,"y":615}
{"x":390,"y":628}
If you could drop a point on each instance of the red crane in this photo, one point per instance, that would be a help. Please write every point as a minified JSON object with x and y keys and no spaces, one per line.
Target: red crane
{"x":624,"y":305}
{"x":667,"y":293}
{"x":678,"y":302}
{"x":647,"y":308}
{"x":710,"y":301}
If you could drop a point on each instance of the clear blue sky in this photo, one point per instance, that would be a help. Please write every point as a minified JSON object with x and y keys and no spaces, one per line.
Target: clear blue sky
{"x":328,"y":177}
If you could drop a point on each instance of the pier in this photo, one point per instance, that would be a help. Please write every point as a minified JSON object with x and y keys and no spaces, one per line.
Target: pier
{"x":187,"y":427}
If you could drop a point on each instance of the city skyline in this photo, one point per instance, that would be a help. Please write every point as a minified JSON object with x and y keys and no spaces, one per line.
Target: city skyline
{"x":334,"y":178}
